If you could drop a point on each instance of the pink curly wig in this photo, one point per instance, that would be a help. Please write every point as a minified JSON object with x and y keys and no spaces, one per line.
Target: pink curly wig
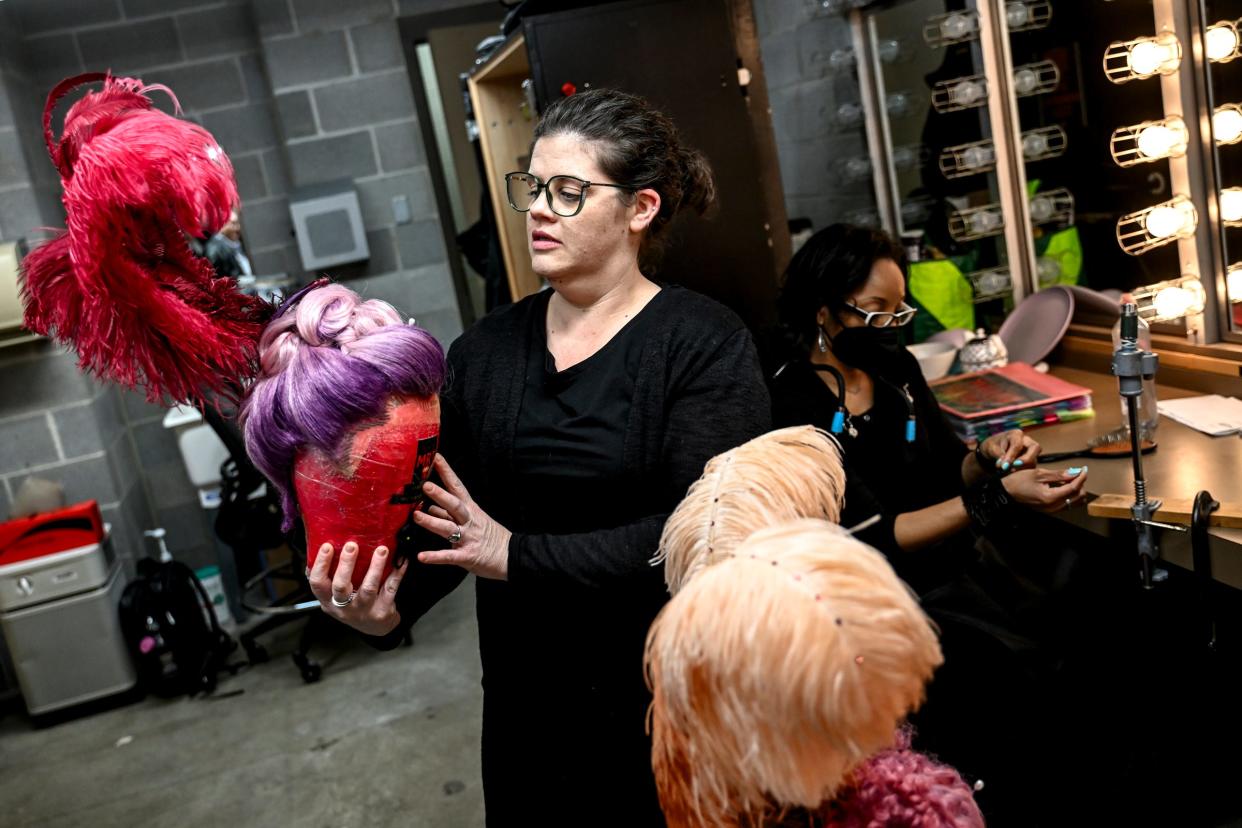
{"x":121,"y":284}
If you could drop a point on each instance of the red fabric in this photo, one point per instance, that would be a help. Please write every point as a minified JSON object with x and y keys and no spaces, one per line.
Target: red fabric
{"x":350,"y":496}
{"x":50,"y":532}
{"x":121,"y":285}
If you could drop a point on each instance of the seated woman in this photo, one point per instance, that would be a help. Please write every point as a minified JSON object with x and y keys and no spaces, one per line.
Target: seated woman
{"x":842,"y":309}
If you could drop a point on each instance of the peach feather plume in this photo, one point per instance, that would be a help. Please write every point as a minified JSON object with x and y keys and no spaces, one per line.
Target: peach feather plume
{"x":783,"y":475}
{"x":789,"y":652}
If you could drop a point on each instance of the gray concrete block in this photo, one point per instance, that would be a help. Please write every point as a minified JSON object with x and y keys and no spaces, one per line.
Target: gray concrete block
{"x":375,"y":197}
{"x":124,"y":462}
{"x":274,"y":171}
{"x":413,"y":292}
{"x":248,"y":169}
{"x":50,"y":381}
{"x":6,"y":508}
{"x":816,"y":106}
{"x":383,"y":249}
{"x":25,"y":442}
{"x":82,"y":480}
{"x":444,"y":325}
{"x":135,"y":506}
{"x":126,"y":539}
{"x":420,"y":243}
{"x":272,"y":17}
{"x":817,"y":40}
{"x":200,"y":86}
{"x":12,"y":160}
{"x":156,"y":446}
{"x":385,"y":97}
{"x":242,"y":128}
{"x":33,"y":18}
{"x":170,"y":486}
{"x":51,"y":58}
{"x":282,"y":259}
{"x":315,"y":15}
{"x":293,"y":110}
{"x":218,"y":31}
{"x":187,"y":528}
{"x":307,"y":59}
{"x":79,"y":430}
{"x":267,"y":223}
{"x":254,"y":76}
{"x":148,"y":8}
{"x":377,"y":46}
{"x":19,"y":213}
{"x":136,"y":408}
{"x":132,"y":46}
{"x":325,"y":159}
{"x":400,"y":146}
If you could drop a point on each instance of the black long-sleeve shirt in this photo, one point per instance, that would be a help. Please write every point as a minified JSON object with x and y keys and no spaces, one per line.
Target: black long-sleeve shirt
{"x":885,"y":474}
{"x":561,"y":641}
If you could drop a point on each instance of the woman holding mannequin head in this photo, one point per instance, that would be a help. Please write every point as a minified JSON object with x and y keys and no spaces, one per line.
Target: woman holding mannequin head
{"x":573,"y":422}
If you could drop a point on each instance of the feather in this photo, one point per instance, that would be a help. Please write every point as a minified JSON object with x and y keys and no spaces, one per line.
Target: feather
{"x":121,"y":285}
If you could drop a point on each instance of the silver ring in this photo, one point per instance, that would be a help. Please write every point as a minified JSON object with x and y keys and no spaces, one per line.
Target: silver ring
{"x":455,"y":538}
{"x":344,"y":603}
{"x":1069,"y":503}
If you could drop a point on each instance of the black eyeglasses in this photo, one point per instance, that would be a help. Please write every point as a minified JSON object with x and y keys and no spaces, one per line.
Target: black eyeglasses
{"x":565,"y":193}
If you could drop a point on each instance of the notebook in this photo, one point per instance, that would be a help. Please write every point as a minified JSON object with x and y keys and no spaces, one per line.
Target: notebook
{"x":984,"y":403}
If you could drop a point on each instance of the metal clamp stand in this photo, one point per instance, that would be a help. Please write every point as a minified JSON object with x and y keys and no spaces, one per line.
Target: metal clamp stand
{"x":1132,"y":365}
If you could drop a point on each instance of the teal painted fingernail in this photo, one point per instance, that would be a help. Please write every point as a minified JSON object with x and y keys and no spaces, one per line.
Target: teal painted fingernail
{"x":1017,"y":463}
{"x":1075,"y":471}
{"x":998,"y":462}
{"x":1005,"y":466}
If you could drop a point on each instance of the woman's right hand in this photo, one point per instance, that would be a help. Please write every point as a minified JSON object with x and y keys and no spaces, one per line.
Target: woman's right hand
{"x":372,"y":609}
{"x":1045,"y":490}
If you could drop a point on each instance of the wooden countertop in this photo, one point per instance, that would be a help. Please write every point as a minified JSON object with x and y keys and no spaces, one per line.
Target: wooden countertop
{"x":1184,"y":462}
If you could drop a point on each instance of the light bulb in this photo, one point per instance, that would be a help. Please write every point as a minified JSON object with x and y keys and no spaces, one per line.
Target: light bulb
{"x":889,"y":50}
{"x":1049,"y":270}
{"x":849,"y":114}
{"x":857,"y":168}
{"x":1146,"y":57}
{"x":898,"y":104}
{"x":1221,"y":41}
{"x":1034,"y":143}
{"x":1172,"y":302}
{"x":1025,"y":81}
{"x":975,"y":157}
{"x":957,"y":25}
{"x":1157,"y":140}
{"x":1017,"y":15}
{"x":1227,"y":124}
{"x":1231,"y":204}
{"x":1233,"y":283}
{"x":1042,"y":208}
{"x":1164,"y":221}
{"x":985,"y":221}
{"x":841,"y":59}
{"x":967,"y":92}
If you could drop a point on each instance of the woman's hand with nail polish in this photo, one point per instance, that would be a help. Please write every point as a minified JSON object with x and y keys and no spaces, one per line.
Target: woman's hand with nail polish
{"x":372,"y":608}
{"x":1010,"y":451}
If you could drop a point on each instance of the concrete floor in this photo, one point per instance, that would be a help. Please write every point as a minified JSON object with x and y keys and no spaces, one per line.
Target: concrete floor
{"x":383,"y":739}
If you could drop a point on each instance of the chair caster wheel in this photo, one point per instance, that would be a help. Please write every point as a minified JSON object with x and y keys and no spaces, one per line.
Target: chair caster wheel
{"x":311,"y":672}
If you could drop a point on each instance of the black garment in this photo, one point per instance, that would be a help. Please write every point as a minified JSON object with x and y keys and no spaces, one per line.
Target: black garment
{"x":561,"y":641}
{"x":885,"y":474}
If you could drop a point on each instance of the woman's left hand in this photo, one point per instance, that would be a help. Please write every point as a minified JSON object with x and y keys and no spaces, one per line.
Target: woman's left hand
{"x":480,"y":544}
{"x":1010,"y":450}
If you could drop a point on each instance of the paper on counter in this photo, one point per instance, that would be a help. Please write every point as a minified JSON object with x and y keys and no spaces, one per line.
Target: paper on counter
{"x":1211,"y":414}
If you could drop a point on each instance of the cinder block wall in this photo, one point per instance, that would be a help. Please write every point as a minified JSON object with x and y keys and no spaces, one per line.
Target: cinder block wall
{"x":797,"y":39}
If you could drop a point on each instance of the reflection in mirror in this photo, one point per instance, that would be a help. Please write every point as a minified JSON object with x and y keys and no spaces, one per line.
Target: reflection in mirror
{"x":1224,"y":73}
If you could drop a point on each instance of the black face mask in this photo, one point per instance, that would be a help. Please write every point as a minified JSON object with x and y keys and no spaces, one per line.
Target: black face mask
{"x":868,"y":348}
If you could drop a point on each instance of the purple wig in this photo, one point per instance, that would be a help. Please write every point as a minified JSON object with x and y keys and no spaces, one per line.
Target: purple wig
{"x":330,"y":362}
